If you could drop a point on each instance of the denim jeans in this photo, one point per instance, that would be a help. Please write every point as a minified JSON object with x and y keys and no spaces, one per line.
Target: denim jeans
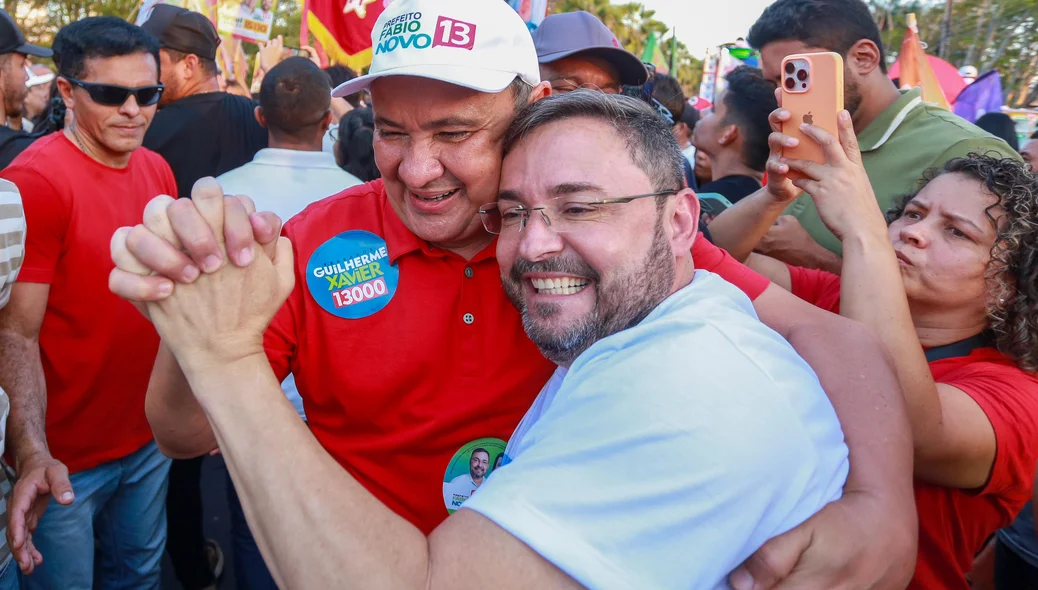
{"x":9,"y":574}
{"x":122,"y":504}
{"x":250,"y":571}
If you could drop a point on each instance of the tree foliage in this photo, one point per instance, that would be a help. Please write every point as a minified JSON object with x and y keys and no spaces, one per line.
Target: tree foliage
{"x":987,"y":34}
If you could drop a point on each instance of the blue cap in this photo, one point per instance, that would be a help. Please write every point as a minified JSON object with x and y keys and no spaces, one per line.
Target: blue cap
{"x":571,"y":33}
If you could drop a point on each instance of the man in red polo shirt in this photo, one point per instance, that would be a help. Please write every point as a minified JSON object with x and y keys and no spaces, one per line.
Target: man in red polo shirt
{"x":72,"y":351}
{"x":404,"y":347}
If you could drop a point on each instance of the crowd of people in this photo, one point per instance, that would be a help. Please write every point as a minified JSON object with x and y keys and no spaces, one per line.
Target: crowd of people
{"x":508,"y":299}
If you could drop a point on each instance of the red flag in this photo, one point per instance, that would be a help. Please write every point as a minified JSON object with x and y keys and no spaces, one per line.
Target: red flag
{"x":343,"y":28}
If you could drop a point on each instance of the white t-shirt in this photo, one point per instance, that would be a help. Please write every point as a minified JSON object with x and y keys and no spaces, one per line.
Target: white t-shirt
{"x":690,"y":155}
{"x":671,"y":451}
{"x":286,"y":182}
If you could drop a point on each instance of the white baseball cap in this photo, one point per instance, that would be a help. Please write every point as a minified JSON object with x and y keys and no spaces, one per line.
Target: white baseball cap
{"x":478,"y":44}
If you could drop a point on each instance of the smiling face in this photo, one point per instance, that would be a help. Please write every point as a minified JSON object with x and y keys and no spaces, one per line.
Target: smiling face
{"x":943,"y":243}
{"x":478,"y":463}
{"x":607,"y":272}
{"x":438,"y":147}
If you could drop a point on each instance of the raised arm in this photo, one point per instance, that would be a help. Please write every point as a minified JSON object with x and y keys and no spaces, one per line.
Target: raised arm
{"x":954,"y":442}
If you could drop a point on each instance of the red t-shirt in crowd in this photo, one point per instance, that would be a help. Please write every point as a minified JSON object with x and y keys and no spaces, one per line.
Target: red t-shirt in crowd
{"x":954,"y":523}
{"x":97,"y":350}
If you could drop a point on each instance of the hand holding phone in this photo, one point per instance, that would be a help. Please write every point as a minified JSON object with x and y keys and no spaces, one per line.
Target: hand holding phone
{"x":812,"y":92}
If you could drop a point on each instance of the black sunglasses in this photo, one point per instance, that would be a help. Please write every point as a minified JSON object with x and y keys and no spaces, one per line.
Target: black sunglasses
{"x":115,"y":96}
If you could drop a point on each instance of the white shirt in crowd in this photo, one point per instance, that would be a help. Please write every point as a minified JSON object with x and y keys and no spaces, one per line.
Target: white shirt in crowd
{"x":690,"y":155}
{"x":286,"y":182}
{"x":671,"y":451}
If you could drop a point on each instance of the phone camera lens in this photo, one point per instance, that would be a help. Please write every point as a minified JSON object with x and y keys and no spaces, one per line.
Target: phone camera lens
{"x":790,"y":84}
{"x":802,"y":75}
{"x":790,"y":67}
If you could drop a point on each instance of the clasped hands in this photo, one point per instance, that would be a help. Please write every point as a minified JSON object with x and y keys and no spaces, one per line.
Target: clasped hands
{"x":209,"y":272}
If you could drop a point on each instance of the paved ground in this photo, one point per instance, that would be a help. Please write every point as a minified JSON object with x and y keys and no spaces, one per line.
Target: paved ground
{"x":217,"y":522}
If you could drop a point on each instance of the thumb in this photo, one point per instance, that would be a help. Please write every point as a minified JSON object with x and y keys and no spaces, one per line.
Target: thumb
{"x":848,"y":139}
{"x":772,"y":562}
{"x":283,"y":264}
{"x":60,"y":486}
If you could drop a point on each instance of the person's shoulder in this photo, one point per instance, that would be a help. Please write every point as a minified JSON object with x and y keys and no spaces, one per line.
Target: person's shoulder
{"x":362,"y":201}
{"x":38,"y":158}
{"x":151,"y":159}
{"x":955,"y":136}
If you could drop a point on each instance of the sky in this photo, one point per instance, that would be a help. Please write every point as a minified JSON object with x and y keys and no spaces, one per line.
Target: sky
{"x":707,"y":23}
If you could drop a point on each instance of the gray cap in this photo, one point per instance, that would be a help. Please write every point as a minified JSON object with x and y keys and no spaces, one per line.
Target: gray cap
{"x":569,"y":33}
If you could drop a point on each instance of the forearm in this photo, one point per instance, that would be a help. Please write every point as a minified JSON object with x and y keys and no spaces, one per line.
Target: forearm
{"x":873,"y":293}
{"x":861,"y":384}
{"x":739,"y":228}
{"x":315,"y":525}
{"x":21,"y":377}
{"x":180,"y":426}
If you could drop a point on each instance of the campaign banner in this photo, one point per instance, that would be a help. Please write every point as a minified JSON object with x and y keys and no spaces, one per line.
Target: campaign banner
{"x":248,"y":20}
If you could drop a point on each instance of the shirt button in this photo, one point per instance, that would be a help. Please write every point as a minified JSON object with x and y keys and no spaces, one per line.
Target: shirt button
{"x":468,"y":318}
{"x":469,"y":272}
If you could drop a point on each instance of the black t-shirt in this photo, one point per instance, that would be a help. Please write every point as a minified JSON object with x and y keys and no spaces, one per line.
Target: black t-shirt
{"x":12,"y":143}
{"x":205,"y":135}
{"x":733,"y":187}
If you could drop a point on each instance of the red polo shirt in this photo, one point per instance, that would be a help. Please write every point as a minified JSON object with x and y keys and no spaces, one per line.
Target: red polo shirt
{"x":954,"y":523}
{"x":97,"y":350}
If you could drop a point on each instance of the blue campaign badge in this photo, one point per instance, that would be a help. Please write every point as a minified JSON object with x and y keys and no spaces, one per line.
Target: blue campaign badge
{"x":350,"y":275}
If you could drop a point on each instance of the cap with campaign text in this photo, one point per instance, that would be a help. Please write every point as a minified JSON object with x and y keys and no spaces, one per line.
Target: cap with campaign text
{"x":12,"y":40}
{"x":182,"y":30}
{"x":479,"y":44}
{"x":572,"y":33}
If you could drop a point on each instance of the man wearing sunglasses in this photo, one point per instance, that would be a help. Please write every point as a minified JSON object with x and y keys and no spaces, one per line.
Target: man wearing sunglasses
{"x":76,"y":360}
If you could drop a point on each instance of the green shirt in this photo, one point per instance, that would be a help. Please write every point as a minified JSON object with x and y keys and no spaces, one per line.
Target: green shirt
{"x":905,"y":140}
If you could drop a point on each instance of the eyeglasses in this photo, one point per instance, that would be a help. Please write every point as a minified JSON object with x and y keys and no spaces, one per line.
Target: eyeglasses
{"x":116,"y":96}
{"x":561,"y":214}
{"x":564,"y":85}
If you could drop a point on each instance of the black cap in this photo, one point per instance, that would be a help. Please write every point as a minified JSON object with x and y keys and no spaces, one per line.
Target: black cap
{"x":182,"y":30}
{"x":12,"y":40}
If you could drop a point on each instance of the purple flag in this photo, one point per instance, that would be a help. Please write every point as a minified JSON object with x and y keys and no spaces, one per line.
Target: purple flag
{"x":984,"y":95}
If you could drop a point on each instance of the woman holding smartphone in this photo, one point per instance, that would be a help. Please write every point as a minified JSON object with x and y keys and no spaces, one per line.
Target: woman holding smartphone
{"x":951,"y":288}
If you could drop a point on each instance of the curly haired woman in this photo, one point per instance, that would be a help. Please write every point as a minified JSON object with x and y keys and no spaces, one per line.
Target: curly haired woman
{"x":951,"y":288}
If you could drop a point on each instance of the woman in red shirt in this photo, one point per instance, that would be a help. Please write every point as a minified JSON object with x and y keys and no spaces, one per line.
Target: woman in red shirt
{"x":951,"y":287}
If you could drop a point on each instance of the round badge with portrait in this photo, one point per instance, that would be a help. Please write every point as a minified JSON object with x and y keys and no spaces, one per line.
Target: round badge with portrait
{"x":350,"y":275}
{"x":469,"y":468}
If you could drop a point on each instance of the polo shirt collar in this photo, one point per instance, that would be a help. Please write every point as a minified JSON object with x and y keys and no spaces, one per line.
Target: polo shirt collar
{"x":294,"y":158}
{"x":880,"y":130}
{"x":401,"y":241}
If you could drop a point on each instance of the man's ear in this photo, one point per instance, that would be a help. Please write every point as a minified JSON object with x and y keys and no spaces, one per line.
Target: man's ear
{"x":258,"y":112}
{"x":542,"y":90}
{"x":730,"y":134}
{"x":65,"y":88}
{"x":684,"y":221}
{"x":863,"y":57}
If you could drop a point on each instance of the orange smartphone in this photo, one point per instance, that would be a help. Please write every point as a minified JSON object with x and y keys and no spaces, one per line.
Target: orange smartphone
{"x":812,"y":91}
